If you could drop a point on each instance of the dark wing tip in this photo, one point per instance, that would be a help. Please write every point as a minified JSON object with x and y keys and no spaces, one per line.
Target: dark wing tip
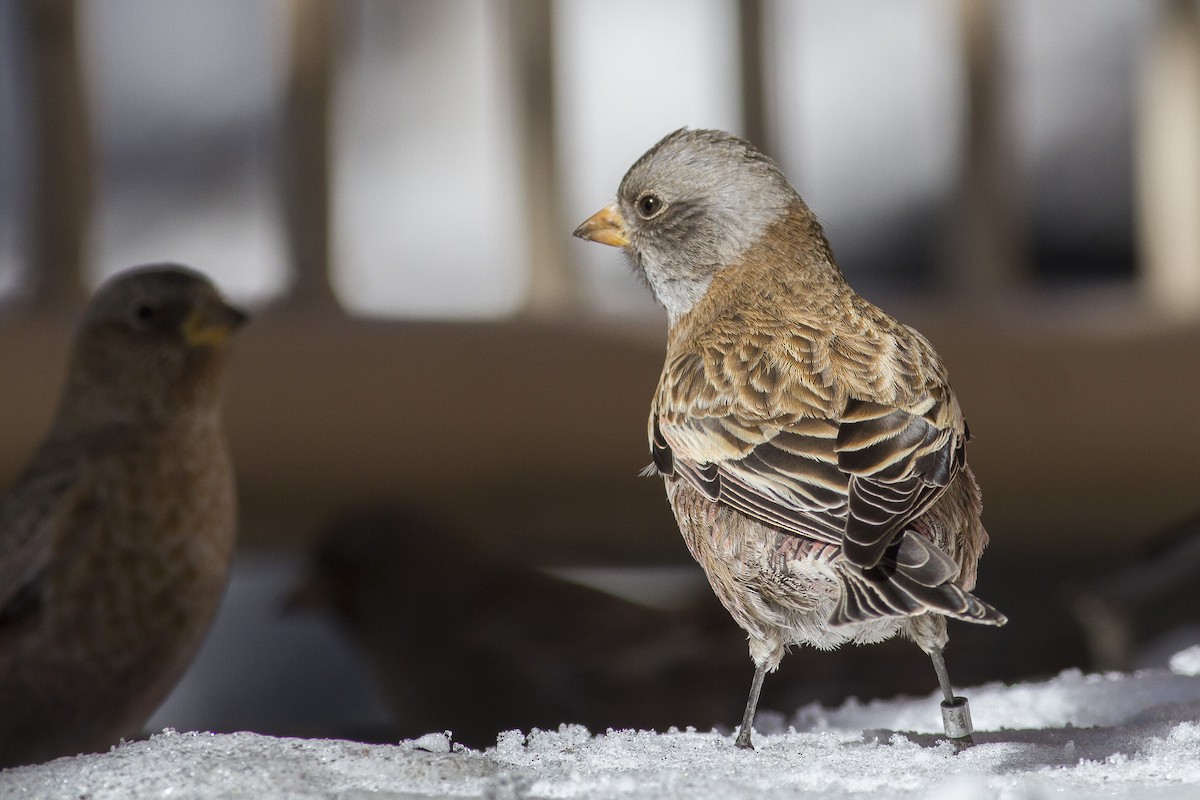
{"x":891,"y":591}
{"x":981,"y":612}
{"x":660,"y":451}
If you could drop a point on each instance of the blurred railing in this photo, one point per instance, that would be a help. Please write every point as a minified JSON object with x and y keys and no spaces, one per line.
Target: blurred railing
{"x":1167,"y":162}
{"x":988,"y":239}
{"x":538,"y":421}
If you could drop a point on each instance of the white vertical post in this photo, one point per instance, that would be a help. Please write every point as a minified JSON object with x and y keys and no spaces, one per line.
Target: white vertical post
{"x":752,"y":56}
{"x":313,"y":33}
{"x":62,"y":172}
{"x":553,"y":286}
{"x":988,"y":242}
{"x":1167,"y":161}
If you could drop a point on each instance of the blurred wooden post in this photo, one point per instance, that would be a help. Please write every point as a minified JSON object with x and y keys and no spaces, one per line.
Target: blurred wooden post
{"x":751,"y":57}
{"x":988,"y":242}
{"x":1167,"y":159}
{"x":553,"y":286}
{"x":306,"y":149}
{"x":62,"y":174}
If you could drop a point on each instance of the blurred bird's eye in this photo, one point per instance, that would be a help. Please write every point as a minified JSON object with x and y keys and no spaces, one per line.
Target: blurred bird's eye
{"x":650,"y":205}
{"x":144,"y":313}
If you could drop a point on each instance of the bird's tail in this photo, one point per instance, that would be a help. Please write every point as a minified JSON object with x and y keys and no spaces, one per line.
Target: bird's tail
{"x":913,"y":577}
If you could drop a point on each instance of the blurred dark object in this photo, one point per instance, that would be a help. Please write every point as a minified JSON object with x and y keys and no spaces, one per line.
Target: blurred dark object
{"x":1122,"y":610}
{"x":463,"y":642}
{"x":460,"y":640}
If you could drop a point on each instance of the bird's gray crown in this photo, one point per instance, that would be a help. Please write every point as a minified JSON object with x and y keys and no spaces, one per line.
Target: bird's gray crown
{"x":692,"y":205}
{"x":153,"y":282}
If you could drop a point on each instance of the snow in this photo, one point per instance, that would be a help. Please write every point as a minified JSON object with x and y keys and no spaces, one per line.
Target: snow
{"x":1186,"y":662}
{"x":1073,"y":736}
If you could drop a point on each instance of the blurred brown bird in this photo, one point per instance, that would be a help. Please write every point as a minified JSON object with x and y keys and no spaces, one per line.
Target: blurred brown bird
{"x":813,"y":450}
{"x":115,"y":541}
{"x":461,"y":640}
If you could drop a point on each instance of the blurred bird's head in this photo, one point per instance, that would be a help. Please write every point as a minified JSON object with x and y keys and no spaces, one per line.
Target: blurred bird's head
{"x":383,"y":552}
{"x":151,"y":343}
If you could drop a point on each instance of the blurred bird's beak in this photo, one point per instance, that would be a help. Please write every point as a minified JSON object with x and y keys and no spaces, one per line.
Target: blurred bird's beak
{"x":211,"y":325}
{"x":605,"y":227}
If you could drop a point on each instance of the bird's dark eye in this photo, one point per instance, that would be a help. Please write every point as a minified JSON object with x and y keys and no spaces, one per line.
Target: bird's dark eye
{"x":144,"y":313}
{"x":650,"y":206}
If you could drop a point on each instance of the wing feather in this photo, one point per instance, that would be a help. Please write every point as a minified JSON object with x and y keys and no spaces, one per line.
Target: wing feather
{"x":758,"y":423}
{"x":28,"y":524}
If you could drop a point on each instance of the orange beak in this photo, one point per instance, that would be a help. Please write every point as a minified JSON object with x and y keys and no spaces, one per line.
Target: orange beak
{"x":605,"y":227}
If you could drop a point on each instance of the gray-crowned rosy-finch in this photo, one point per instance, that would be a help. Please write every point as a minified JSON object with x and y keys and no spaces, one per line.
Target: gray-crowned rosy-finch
{"x":813,"y":450}
{"x":115,"y":541}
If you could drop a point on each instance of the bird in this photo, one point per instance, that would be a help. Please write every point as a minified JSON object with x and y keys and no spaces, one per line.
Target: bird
{"x":116,"y":538}
{"x":462,"y":639}
{"x":812,"y":448}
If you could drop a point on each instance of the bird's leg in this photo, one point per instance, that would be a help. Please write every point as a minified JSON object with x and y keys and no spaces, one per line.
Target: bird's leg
{"x":956,"y":713}
{"x":743,"y":737}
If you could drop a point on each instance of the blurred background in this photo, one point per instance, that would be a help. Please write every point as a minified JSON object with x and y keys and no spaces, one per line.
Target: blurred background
{"x":389,"y":186}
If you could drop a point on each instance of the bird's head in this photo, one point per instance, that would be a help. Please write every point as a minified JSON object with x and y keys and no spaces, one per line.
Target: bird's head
{"x":688,"y":208}
{"x":152,"y":341}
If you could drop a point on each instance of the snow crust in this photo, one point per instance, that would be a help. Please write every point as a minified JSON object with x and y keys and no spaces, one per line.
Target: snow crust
{"x":1074,"y":736}
{"x":1186,"y":662}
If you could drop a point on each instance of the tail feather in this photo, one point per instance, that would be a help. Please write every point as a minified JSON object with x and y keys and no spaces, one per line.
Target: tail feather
{"x":914,"y":577}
